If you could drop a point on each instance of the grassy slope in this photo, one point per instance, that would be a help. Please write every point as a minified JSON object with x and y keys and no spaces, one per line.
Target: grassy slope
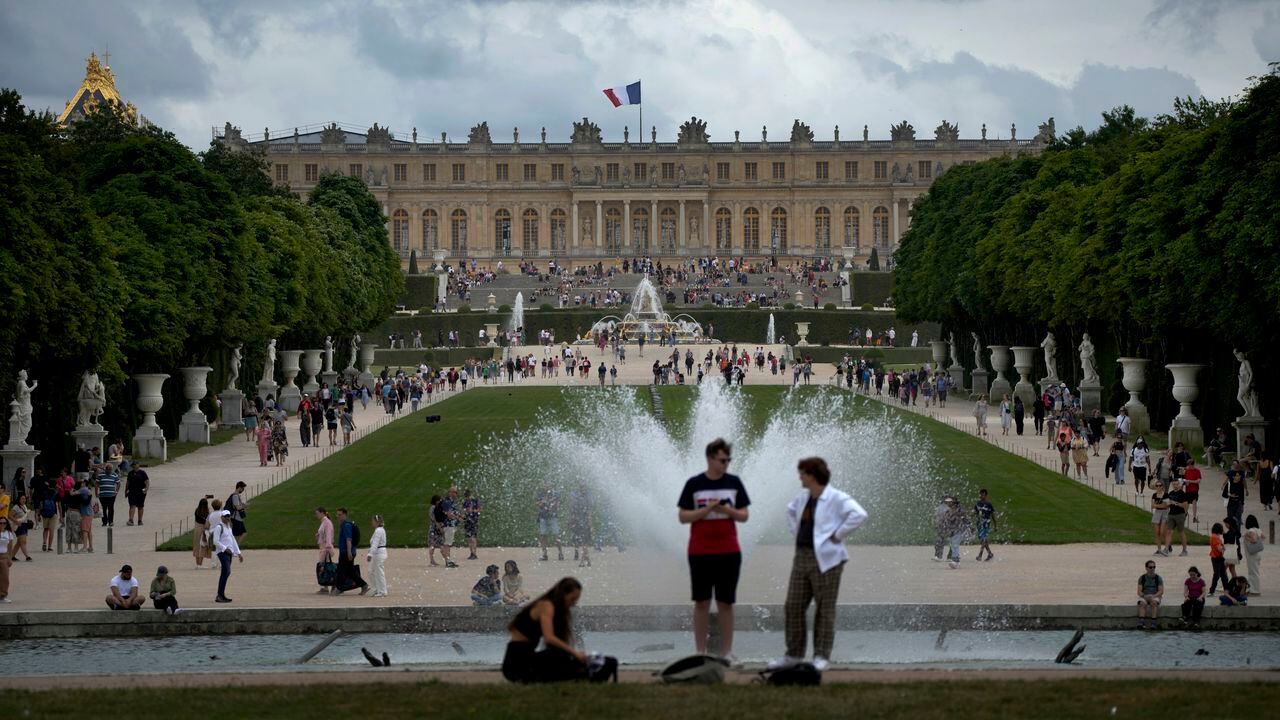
{"x":1069,"y":699}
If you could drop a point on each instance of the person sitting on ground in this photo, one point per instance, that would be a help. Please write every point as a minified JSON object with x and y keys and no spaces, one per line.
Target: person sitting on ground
{"x":488,"y":589}
{"x":1150,"y":593}
{"x":164,"y":591}
{"x":124,"y":591}
{"x":513,"y":585}
{"x":546,"y":619}
{"x":1237,"y":592}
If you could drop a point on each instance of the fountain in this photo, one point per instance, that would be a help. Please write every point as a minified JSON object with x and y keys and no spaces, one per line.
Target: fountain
{"x":516,"y":324}
{"x":770,"y":335}
{"x":648,"y":319}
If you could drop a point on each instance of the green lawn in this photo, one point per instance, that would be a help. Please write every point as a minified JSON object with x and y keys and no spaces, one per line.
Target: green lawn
{"x":941,"y":700}
{"x":396,"y":470}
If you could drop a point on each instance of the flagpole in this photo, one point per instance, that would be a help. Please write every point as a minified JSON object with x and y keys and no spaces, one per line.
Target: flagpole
{"x":641,"y":105}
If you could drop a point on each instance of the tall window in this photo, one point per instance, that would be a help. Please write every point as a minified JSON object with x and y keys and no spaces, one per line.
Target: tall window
{"x":822,"y":229}
{"x":400,"y":172}
{"x":722,"y":171}
{"x":530,"y":172}
{"x":822,"y":170}
{"x":559,"y":231}
{"x":400,"y":231}
{"x":668,"y":171}
{"x":751,"y":230}
{"x":282,"y":173}
{"x":640,"y":230}
{"x":881,"y":168}
{"x":780,"y":171}
{"x":312,"y":172}
{"x":880,"y":226}
{"x":667,"y":240}
{"x":611,"y":172}
{"x":851,"y":170}
{"x":428,"y":172}
{"x":613,"y":230}
{"x":430,"y":230}
{"x":458,"y":232}
{"x":557,"y":172}
{"x":502,"y":173}
{"x":459,"y":172}
{"x":529,"y":234}
{"x":750,"y":172}
{"x":778,"y":231}
{"x":724,"y":229}
{"x":851,"y":227}
{"x":641,"y":171}
{"x":355,"y":170}
{"x":924,"y":170}
{"x":502,"y":232}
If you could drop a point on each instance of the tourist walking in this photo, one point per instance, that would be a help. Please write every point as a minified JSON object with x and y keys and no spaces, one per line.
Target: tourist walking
{"x":1097,"y":430}
{"x":347,"y":418}
{"x":980,"y":414}
{"x":1139,"y":460}
{"x":956,"y":527}
{"x":164,"y":591}
{"x":1159,"y":514}
{"x":580,"y":524}
{"x":200,"y":547}
{"x":820,"y":517}
{"x":264,"y":442}
{"x":1019,"y":414}
{"x":548,"y":620}
{"x":984,"y":513}
{"x":377,"y":557}
{"x":447,"y":513}
{"x":1177,"y":519}
{"x":8,"y":548}
{"x":1217,"y":552}
{"x":471,"y":508}
{"x":1253,"y":547}
{"x":235,"y":505}
{"x":712,"y":503}
{"x":225,"y":547}
{"x":1006,"y":415}
{"x":108,"y":488}
{"x":324,"y":541}
{"x":21,"y":523}
{"x":548,"y":504}
{"x":136,"y":486}
{"x":1037,"y":414}
{"x":348,"y":576}
{"x":1233,"y":490}
{"x":1080,"y":456}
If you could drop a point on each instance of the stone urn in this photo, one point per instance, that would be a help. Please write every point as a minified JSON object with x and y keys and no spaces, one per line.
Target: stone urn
{"x":290,"y":395}
{"x":1186,"y":426}
{"x":1024,"y":359}
{"x":310,"y":371}
{"x":799,"y":299}
{"x":1135,"y":381}
{"x":939,"y":348}
{"x":1000,"y":363}
{"x":491,"y":332}
{"x":802,"y":332}
{"x":194,"y":426}
{"x":492,"y":302}
{"x":148,"y":439}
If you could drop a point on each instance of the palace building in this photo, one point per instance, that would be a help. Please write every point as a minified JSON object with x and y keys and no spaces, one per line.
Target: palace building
{"x":97,"y":88}
{"x":588,"y":200}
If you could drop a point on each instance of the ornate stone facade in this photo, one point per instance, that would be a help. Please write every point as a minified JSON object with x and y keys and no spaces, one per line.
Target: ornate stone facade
{"x":589,"y":200}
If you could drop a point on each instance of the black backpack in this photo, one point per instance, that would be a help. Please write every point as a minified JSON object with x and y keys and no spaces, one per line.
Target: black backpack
{"x":803,"y":674}
{"x":355,"y":536}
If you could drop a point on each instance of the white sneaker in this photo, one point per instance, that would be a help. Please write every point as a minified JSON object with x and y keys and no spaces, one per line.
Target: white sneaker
{"x":782,"y":663}
{"x":731,"y":660}
{"x":820,"y":663}
{"x":953,"y":564}
{"x":5,"y":600}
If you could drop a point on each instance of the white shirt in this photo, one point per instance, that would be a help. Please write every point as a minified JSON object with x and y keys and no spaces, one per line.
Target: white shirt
{"x":224,"y":540}
{"x":378,"y":543}
{"x":1122,"y":423}
{"x":124,"y":586}
{"x":7,"y":538}
{"x":835,"y":516}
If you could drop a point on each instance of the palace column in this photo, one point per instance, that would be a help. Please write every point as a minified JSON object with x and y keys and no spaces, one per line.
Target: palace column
{"x":626,"y":225}
{"x":599,"y":225}
{"x":706,"y":225}
{"x":655,"y":228}
{"x":575,"y":224}
{"x":680,"y":231}
{"x":894,"y":210}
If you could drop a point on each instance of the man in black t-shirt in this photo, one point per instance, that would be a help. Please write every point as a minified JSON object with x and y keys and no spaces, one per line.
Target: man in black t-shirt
{"x":135,"y":490}
{"x":1177,"y":519}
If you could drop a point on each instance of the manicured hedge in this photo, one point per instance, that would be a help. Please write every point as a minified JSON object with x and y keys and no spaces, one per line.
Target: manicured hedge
{"x":419,"y":292}
{"x":870,"y":287}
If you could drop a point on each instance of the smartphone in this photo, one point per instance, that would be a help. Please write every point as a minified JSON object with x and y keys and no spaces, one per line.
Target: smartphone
{"x":724,"y":501}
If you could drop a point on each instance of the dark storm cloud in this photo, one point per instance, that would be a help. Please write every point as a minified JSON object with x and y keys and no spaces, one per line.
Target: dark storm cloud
{"x":415,"y":45}
{"x":1150,"y":91}
{"x":1266,"y":39}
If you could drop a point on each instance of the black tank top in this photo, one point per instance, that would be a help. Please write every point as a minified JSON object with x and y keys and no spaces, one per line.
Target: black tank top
{"x":526,"y":625}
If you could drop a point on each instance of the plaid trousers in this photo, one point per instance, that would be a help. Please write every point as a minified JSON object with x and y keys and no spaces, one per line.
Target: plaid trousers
{"x":808,"y":584}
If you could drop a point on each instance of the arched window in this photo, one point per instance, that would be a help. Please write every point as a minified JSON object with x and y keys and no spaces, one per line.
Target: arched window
{"x":400,"y":231}
{"x":640,"y":230}
{"x":458,"y":232}
{"x":851,"y":227}
{"x":751,"y":230}
{"x":880,"y":226}
{"x":430,"y":230}
{"x":821,"y":229}
{"x":529,"y":237}
{"x":502,"y":232}
{"x":778,"y":231}
{"x":724,"y":229}
{"x":613,"y":230}
{"x":667,"y":240}
{"x":559,"y":230}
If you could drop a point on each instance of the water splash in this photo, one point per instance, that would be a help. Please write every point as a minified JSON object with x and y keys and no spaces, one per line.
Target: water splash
{"x":647,"y":319}
{"x":517,"y":314}
{"x":770,"y":335}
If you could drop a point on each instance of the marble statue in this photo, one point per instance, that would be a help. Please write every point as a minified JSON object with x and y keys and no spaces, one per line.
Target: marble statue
{"x":269,"y":365}
{"x":586,"y":227}
{"x":955,"y":358}
{"x":328,"y":353}
{"x":693,"y":232}
{"x":234,"y":376}
{"x":1087,"y":365}
{"x":1247,"y":394}
{"x":355,"y":351}
{"x":92,"y":398}
{"x":977,"y":351}
{"x":23,"y":412}
{"x":1050,"y":346}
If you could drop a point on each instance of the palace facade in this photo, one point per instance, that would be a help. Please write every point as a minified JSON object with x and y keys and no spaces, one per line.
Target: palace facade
{"x":588,"y":200}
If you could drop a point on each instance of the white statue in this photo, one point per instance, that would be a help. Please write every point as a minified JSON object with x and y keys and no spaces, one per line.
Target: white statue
{"x":23,"y":414}
{"x":693,"y":232}
{"x":328,"y":353}
{"x":234,"y":376}
{"x":92,"y":397}
{"x":955,"y":359}
{"x":355,"y":350}
{"x":1247,"y":394}
{"x":269,"y":365}
{"x":977,"y":352}
{"x":1050,"y":346}
{"x":1087,"y":362}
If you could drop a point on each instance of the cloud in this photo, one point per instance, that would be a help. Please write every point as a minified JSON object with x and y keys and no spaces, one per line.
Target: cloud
{"x":1266,"y":38}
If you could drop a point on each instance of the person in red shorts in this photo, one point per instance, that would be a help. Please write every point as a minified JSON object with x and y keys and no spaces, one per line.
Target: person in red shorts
{"x":712,"y":504}
{"x":1191,"y":487}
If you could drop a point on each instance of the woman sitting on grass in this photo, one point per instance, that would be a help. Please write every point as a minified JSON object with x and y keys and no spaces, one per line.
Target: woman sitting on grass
{"x":547,"y":619}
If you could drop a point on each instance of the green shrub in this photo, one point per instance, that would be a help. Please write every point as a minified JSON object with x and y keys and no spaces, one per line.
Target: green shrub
{"x":504,"y":308}
{"x":544,"y":307}
{"x":873,"y":264}
{"x":789,"y":306}
{"x":413,"y":262}
{"x":868,"y":307}
{"x":873,"y":354}
{"x":753,"y":306}
{"x":464,"y":308}
{"x":829,"y":306}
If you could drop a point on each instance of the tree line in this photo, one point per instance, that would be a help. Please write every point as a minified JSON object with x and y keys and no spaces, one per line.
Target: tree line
{"x":126,"y":252}
{"x":1159,"y":237}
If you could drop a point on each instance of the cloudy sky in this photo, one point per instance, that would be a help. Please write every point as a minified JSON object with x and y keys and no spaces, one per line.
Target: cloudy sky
{"x":740,"y":64}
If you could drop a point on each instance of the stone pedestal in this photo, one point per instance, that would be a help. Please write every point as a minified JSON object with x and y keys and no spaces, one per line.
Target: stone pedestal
{"x":366,"y":360}
{"x":802,"y":333}
{"x":846,"y":289}
{"x":491,"y":332}
{"x":1024,"y":359}
{"x":268,"y":389}
{"x":957,"y":376}
{"x":148,"y":439}
{"x":232,"y":400}
{"x":442,"y":287}
{"x":311,"y":371}
{"x":330,"y":378}
{"x":1186,"y":426}
{"x":1246,"y":425}
{"x":14,"y":457}
{"x":1091,"y":399}
{"x":1135,"y":381}
{"x":939,"y":348}
{"x":90,"y":436}
{"x":290,"y":396}
{"x":980,"y":383}
{"x":194,"y":426}
{"x":1000,"y":363}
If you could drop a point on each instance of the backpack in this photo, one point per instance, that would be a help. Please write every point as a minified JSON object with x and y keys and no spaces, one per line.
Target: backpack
{"x":803,"y":674}
{"x":355,"y":536}
{"x":695,"y":670}
{"x":48,"y":508}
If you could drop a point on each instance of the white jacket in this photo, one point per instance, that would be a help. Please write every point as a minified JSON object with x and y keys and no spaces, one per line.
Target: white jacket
{"x":835,"y":516}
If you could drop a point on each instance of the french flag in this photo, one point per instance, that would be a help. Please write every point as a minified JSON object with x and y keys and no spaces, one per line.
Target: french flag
{"x":627,"y":95}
